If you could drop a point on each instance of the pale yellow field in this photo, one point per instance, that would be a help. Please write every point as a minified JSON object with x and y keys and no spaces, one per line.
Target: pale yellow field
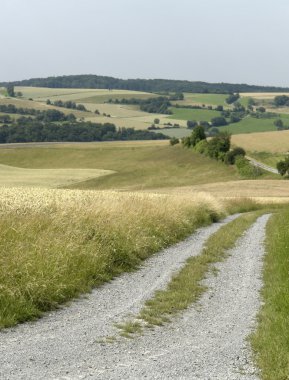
{"x":273,"y":142}
{"x":77,"y":94}
{"x":41,"y":106}
{"x":276,"y":190}
{"x":46,"y":178}
{"x":263,"y":95}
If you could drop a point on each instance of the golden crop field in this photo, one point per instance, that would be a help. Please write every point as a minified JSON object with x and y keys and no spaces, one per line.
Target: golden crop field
{"x":274,"y":142}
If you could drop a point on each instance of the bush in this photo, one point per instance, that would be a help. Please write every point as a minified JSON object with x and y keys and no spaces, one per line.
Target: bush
{"x":202,"y":147}
{"x":174,"y":141}
{"x":230,"y":156}
{"x":218,"y":121}
{"x":245,"y":169}
{"x":219,"y":145}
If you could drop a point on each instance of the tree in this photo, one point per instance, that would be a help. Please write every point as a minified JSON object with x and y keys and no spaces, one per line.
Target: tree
{"x":283,"y":166}
{"x":10,"y":90}
{"x":218,"y":121}
{"x":156,"y":121}
{"x":197,"y":135}
{"x":281,"y":100}
{"x":279,"y":124}
{"x":220,"y":108}
{"x":232,"y":98}
{"x":230,"y":156}
{"x":219,"y":145}
{"x":174,"y":141}
{"x":191,"y":124}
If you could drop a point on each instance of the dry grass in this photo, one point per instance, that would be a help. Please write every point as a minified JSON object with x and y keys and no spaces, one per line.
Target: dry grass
{"x":56,"y":244}
{"x":25,"y":103}
{"x":258,"y":189}
{"x":11,"y":176}
{"x":262,"y":95}
{"x":78,"y":94}
{"x":274,"y":142}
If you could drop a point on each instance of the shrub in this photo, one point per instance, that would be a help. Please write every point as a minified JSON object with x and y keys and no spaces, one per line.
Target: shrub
{"x":202,"y":147}
{"x":174,"y":141}
{"x":230,"y":156}
{"x":245,"y":169}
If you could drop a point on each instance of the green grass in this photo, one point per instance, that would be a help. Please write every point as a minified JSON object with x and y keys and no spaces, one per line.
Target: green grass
{"x":208,"y":99}
{"x":267,"y":158}
{"x":193,"y":114}
{"x":185,"y":287}
{"x":137,"y":167}
{"x":249,"y":125}
{"x":57,"y":244}
{"x":271,"y":340}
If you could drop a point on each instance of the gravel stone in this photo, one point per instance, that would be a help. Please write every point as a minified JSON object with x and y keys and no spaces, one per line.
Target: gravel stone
{"x":208,"y":341}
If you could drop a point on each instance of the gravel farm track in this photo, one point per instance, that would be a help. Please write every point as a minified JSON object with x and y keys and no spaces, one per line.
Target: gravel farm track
{"x":207,"y":341}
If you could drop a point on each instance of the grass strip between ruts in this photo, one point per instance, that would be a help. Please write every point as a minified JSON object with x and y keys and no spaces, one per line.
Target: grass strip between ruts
{"x":186,"y":287}
{"x":271,"y":339}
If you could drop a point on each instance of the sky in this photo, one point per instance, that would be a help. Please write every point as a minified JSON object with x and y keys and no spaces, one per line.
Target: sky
{"x":198,"y":40}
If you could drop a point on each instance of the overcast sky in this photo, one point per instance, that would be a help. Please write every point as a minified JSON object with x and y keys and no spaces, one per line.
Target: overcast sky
{"x":210,"y":40}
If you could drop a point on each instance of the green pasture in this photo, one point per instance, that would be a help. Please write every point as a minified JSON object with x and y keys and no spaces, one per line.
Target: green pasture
{"x":136,"y":166}
{"x":208,"y":99}
{"x":193,"y":114}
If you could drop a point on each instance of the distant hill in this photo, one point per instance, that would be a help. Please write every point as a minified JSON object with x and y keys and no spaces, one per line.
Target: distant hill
{"x":149,"y":85}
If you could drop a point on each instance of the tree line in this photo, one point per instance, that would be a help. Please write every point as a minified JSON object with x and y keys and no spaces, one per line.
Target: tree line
{"x":159,"y":104}
{"x":149,"y":85}
{"x":32,"y":130}
{"x":68,"y":104}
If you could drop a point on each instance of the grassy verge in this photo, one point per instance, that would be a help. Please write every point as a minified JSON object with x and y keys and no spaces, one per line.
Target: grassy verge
{"x":271,"y":340}
{"x":57,"y":244}
{"x":186,"y":287}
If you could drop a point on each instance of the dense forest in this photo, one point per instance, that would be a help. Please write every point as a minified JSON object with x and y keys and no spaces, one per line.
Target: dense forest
{"x":149,"y":85}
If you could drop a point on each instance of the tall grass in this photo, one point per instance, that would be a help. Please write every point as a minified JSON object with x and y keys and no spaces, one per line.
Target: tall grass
{"x":56,"y":244}
{"x":271,"y":340}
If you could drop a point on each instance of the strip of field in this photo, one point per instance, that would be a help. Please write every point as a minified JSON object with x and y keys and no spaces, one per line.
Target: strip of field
{"x":271,"y":340}
{"x":199,"y":99}
{"x":262,"y":95}
{"x":185,"y":287}
{"x":80,"y":95}
{"x":59,"y":243}
{"x":268,"y":189}
{"x":193,"y":114}
{"x":274,"y":142}
{"x":11,"y":176}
